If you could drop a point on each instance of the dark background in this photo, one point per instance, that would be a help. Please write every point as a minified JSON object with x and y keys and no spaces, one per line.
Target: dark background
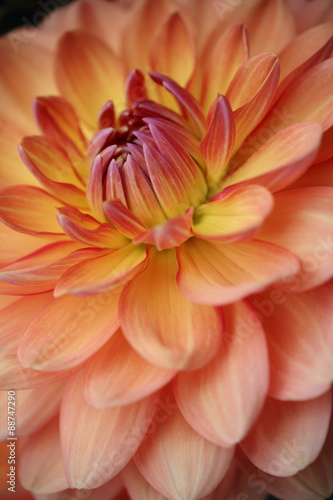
{"x":14,"y":13}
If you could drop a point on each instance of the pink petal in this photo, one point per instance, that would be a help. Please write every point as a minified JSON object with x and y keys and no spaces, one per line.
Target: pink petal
{"x":222,"y":400}
{"x":116,"y":375}
{"x":288,"y":435}
{"x":298,"y":325}
{"x":233,"y":215}
{"x":41,"y":463}
{"x":282,"y":159}
{"x":301,"y":221}
{"x":217,"y":274}
{"x":176,"y":471}
{"x":123,"y":219}
{"x":161,"y":324}
{"x":97,"y":444}
{"x":137,"y":486}
{"x":103,"y":273}
{"x":67,"y":331}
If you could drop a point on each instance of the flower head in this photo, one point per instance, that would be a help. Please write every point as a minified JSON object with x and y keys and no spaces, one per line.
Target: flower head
{"x":168,"y":248}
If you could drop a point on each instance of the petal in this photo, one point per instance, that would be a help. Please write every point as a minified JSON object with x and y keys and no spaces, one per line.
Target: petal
{"x":35,"y":408}
{"x":67,"y":331}
{"x":288,"y":435}
{"x":41,"y":464}
{"x":164,"y":326}
{"x":170,"y":233}
{"x":222,"y":400}
{"x":218,"y":274}
{"x":217,"y":144}
{"x":176,"y":471}
{"x":14,"y":318}
{"x":251,"y":92}
{"x":15,"y":245}
{"x":225,"y":57}
{"x":123,"y":219}
{"x":85,"y":229}
{"x":137,"y":486}
{"x":282,"y":159}
{"x":116,"y":375}
{"x":103,"y":273}
{"x":24,"y":63}
{"x":97,"y":444}
{"x":87,"y":73}
{"x":301,"y":222}
{"x":297,"y":326}
{"x":50,"y":164}
{"x":233,"y":215}
{"x":29,"y":210}
{"x":165,"y":55}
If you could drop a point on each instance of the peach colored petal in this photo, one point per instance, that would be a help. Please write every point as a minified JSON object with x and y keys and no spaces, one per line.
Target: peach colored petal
{"x":167,"y":330}
{"x":288,"y":435}
{"x":123,"y":219}
{"x":222,"y":400}
{"x":176,"y":471}
{"x":30,"y":210}
{"x":217,"y":274}
{"x":97,"y":444}
{"x":294,"y":334}
{"x":67,"y":331}
{"x":15,"y":245}
{"x":36,"y":407}
{"x":282,"y":159}
{"x":116,"y":375}
{"x":137,"y":486}
{"x":225,"y":57}
{"x":233,"y":215}
{"x":41,"y":464}
{"x":87,"y":73}
{"x":301,"y":221}
{"x":103,"y":273}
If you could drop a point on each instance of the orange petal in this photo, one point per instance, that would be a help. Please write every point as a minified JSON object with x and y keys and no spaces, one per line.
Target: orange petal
{"x":123,"y":219}
{"x":297,"y":326}
{"x":29,"y":210}
{"x":251,"y":92}
{"x":282,"y":159}
{"x":176,"y":471}
{"x":288,"y":435}
{"x":165,"y":55}
{"x":233,"y":215}
{"x":97,"y":444}
{"x":167,"y":330}
{"x":15,"y":318}
{"x":116,"y":375}
{"x":103,"y":273}
{"x":217,"y":144}
{"x":82,"y":326}
{"x":88,"y":74}
{"x":301,"y":222}
{"x":222,"y":400}
{"x":271,"y":25}
{"x":41,"y":464}
{"x":85,"y":229}
{"x":15,"y":245}
{"x":170,"y":233}
{"x":24,"y":63}
{"x":217,"y":274}
{"x":225,"y":57}
{"x":51,"y":165}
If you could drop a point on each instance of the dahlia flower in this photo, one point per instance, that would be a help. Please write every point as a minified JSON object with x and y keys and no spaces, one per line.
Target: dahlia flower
{"x":166,"y":251}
